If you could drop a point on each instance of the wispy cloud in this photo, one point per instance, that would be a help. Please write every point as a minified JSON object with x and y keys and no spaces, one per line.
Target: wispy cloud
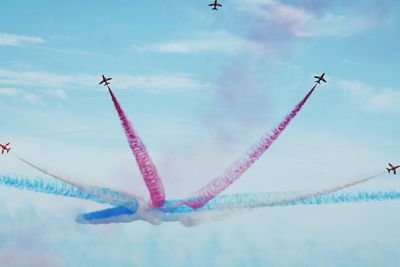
{"x":7,"y":39}
{"x":284,"y":20}
{"x":153,"y":83}
{"x":160,"y":83}
{"x":59,"y":93}
{"x":17,"y":93}
{"x":370,"y":98}
{"x":220,"y":41}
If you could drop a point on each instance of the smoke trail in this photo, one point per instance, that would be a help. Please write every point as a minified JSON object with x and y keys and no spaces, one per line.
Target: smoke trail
{"x":146,"y":166}
{"x":67,"y":190}
{"x":254,"y":200}
{"x":234,"y":171}
{"x":218,"y":214}
{"x":241,"y":201}
{"x":226,"y":206}
{"x":108,"y":196}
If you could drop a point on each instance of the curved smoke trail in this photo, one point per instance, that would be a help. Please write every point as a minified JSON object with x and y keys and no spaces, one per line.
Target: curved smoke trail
{"x":146,"y":166}
{"x":67,"y":190}
{"x":217,"y":213}
{"x":245,"y":201}
{"x":108,"y":196}
{"x":242,"y":164}
{"x":226,"y":206}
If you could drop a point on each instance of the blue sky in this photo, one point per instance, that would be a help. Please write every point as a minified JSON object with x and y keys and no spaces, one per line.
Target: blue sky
{"x":200,"y":87}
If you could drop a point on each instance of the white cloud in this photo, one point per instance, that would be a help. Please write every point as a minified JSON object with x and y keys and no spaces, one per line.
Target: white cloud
{"x":153,"y":83}
{"x":9,"y":91}
{"x":370,"y":98}
{"x":7,"y":39}
{"x":296,"y":21}
{"x":17,"y":93}
{"x":220,"y":41}
{"x":59,"y":93}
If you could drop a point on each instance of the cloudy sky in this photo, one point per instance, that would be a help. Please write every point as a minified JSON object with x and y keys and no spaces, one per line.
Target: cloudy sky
{"x":200,"y":87}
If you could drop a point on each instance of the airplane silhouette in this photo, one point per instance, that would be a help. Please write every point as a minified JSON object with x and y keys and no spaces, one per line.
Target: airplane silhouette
{"x":392,"y":168}
{"x":105,"y":80}
{"x":215,"y":4}
{"x":5,"y":148}
{"x":320,"y":78}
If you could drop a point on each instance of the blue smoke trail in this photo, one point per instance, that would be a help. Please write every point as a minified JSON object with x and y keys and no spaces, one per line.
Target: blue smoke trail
{"x":225,"y":206}
{"x":229,"y":205}
{"x":250,"y":201}
{"x":97,"y":194}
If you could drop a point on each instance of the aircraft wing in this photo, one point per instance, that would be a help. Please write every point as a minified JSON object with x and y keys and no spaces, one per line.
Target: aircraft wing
{"x":210,"y":4}
{"x":394,"y":171}
{"x":323,"y":80}
{"x":390,"y":165}
{"x":219,"y":5}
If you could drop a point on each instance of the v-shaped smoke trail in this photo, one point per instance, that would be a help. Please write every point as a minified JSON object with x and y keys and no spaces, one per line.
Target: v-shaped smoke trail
{"x":146,"y":165}
{"x":242,"y":164}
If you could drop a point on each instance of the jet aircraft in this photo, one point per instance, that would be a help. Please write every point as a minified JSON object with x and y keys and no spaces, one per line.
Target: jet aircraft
{"x":215,"y":4}
{"x":320,"y":78}
{"x":105,"y":80}
{"x":5,"y":148}
{"x":392,"y":168}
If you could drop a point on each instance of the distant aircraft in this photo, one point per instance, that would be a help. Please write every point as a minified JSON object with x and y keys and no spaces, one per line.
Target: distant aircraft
{"x":215,"y":4}
{"x":105,"y":80}
{"x":320,"y":78}
{"x":5,"y":148}
{"x":392,"y":168}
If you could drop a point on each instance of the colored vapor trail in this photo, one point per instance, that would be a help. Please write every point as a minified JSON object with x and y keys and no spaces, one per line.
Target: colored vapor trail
{"x":63,"y":189}
{"x":146,"y":165}
{"x":219,"y":184}
{"x":108,"y":196}
{"x":251,"y":200}
{"x":248,"y":202}
{"x":228,"y":205}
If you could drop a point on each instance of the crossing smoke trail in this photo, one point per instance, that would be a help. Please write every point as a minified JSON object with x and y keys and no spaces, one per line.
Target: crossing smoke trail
{"x":243,"y":201}
{"x":222,"y":207}
{"x":215,"y":213}
{"x":242,"y":164}
{"x":146,"y":166}
{"x":67,"y":190}
{"x":108,"y":196}
{"x":226,"y":206}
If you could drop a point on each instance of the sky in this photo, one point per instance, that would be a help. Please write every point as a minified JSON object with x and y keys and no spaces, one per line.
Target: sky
{"x":200,"y":87}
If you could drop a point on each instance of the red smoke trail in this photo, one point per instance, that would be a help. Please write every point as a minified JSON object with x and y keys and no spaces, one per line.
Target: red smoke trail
{"x":146,"y":166}
{"x":219,"y":184}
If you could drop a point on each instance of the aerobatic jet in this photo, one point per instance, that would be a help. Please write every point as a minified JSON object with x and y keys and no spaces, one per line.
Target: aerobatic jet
{"x":392,"y":168}
{"x":105,"y":80}
{"x":320,"y":78}
{"x":215,"y":4}
{"x":5,"y":148}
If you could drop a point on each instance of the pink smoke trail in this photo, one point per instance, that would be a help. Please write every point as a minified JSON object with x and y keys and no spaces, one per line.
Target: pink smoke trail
{"x":146,"y":166}
{"x":242,"y":164}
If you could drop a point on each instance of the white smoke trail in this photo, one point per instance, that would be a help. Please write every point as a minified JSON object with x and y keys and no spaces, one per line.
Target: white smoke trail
{"x":109,"y":196}
{"x":227,"y":206}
